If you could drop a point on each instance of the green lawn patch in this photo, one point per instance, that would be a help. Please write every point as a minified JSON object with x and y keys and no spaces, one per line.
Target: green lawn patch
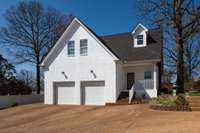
{"x":194,"y":93}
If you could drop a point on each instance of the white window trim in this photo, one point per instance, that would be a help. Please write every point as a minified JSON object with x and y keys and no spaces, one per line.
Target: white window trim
{"x":68,"y":48}
{"x":135,"y":34}
{"x":142,"y":39}
{"x":84,"y":54}
{"x":136,"y":45}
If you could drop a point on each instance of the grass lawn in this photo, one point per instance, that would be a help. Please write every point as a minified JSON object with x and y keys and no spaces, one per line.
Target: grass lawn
{"x":194,"y":93}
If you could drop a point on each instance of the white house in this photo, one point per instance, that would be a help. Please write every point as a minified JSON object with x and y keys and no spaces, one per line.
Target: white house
{"x":84,"y":68}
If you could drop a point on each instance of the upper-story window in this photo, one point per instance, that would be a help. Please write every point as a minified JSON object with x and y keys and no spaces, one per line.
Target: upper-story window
{"x":71,"y":48}
{"x":140,"y":39}
{"x":83,"y":47}
{"x":148,"y":75}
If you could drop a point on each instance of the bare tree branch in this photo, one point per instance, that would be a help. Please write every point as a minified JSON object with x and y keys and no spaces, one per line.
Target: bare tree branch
{"x":31,"y":31}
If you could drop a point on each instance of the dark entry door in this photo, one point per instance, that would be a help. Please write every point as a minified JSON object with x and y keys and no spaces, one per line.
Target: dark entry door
{"x":130,"y":79}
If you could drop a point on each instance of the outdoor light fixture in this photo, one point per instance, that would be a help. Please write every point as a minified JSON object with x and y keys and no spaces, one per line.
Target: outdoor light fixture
{"x":65,"y":75}
{"x":95,"y":76}
{"x":125,"y":61}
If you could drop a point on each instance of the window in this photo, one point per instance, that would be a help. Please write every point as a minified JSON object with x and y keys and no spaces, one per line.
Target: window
{"x":140,"y":39}
{"x":147,"y":75}
{"x":71,"y":49}
{"x":83,"y":47}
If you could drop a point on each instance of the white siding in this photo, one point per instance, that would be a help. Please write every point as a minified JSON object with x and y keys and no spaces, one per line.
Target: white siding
{"x":78,"y":68}
{"x":120,"y":79}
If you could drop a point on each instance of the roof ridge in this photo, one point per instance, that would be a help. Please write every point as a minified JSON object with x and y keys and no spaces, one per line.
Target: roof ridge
{"x":122,"y":33}
{"x":115,"y":34}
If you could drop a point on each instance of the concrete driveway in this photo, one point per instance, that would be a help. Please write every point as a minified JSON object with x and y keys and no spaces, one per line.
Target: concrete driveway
{"x":39,"y":118}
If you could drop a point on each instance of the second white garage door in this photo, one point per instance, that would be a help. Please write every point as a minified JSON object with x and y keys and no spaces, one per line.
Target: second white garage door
{"x":93,"y":92}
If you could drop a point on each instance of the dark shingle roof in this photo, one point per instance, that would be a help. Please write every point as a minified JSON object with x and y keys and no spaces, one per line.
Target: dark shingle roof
{"x":122,"y":46}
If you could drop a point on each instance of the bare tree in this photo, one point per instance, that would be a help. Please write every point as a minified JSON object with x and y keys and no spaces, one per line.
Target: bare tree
{"x":31,"y":31}
{"x":192,"y":57}
{"x":180,"y":20}
{"x":27,"y":76}
{"x":168,"y":75}
{"x":7,"y":70}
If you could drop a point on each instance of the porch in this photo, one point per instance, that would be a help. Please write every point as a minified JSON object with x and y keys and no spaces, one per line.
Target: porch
{"x":139,"y":81}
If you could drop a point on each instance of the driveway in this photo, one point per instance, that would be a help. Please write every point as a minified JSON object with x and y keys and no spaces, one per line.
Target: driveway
{"x":39,"y":118}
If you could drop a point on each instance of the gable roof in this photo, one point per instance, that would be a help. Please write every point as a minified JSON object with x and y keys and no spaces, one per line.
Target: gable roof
{"x":89,"y":31}
{"x":122,"y":45}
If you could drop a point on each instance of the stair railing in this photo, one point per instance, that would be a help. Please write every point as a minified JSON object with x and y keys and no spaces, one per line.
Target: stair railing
{"x":131,"y":93}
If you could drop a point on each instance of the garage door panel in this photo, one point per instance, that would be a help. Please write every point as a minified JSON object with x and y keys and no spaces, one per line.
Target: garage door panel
{"x":65,"y":93}
{"x":94,"y":93}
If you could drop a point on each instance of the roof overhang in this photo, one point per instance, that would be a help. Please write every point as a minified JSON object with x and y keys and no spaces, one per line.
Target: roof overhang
{"x":141,"y":63}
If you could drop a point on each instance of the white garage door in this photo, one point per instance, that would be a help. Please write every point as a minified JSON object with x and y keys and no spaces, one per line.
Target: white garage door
{"x":93,"y":93}
{"x":65,"y":93}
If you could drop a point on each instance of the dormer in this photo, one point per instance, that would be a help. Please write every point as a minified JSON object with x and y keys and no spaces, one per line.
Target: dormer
{"x":140,"y":36}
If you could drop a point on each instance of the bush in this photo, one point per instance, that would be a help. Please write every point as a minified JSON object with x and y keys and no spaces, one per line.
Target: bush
{"x":14,"y":87}
{"x":180,"y":100}
{"x":13,"y":104}
{"x":169,"y":100}
{"x":164,"y":100}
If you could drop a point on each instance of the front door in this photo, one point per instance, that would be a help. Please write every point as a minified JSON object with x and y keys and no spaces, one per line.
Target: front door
{"x":130,"y":79}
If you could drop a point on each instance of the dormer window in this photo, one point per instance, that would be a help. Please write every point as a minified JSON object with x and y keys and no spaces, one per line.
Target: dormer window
{"x":140,"y":39}
{"x":139,"y":36}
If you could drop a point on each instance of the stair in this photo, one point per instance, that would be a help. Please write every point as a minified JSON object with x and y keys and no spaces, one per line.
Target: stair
{"x":123,"y":99}
{"x":194,"y":103}
{"x":123,"y":95}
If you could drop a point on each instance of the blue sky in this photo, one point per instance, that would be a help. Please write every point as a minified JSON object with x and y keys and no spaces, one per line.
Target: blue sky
{"x":102,"y":16}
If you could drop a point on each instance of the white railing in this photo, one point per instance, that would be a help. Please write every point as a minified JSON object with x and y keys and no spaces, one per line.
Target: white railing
{"x":146,"y":83}
{"x":131,"y":93}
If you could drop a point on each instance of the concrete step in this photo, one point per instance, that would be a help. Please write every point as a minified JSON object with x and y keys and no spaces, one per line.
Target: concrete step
{"x":193,"y":101}
{"x":195,"y":108}
{"x":194,"y":104}
{"x":123,"y":101}
{"x":193,"y":98}
{"x":123,"y":94}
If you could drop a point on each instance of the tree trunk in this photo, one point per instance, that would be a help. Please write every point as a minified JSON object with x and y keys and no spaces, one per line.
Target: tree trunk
{"x":38,"y":77}
{"x":179,"y":48}
{"x":180,"y":66}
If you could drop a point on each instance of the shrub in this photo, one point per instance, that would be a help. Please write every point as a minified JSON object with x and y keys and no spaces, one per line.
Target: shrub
{"x":14,"y":87}
{"x":169,"y":100}
{"x":180,"y":100}
{"x":164,"y":100}
{"x":13,"y":104}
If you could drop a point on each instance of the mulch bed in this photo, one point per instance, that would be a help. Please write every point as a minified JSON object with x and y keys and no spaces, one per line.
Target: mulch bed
{"x":170,"y":107}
